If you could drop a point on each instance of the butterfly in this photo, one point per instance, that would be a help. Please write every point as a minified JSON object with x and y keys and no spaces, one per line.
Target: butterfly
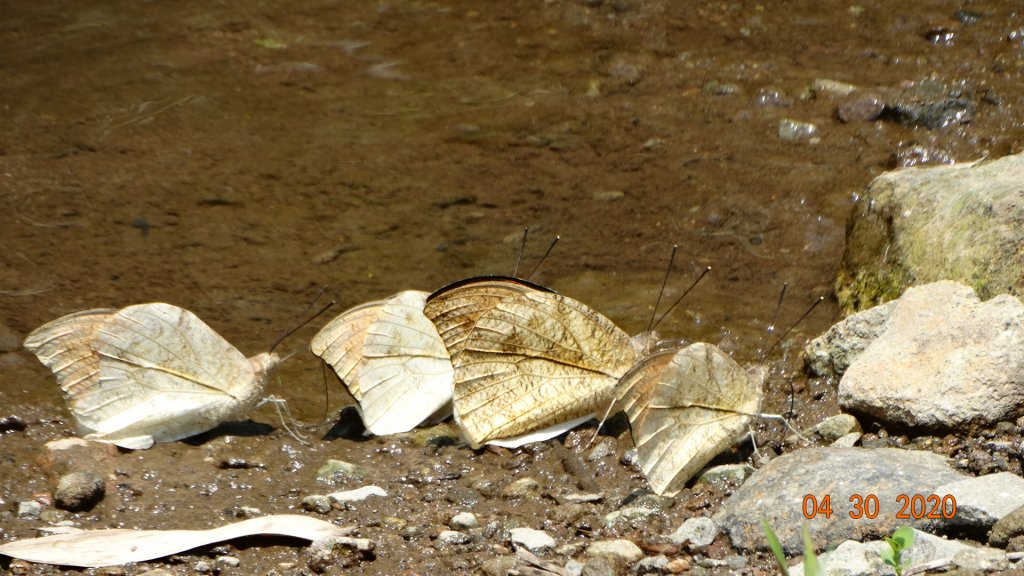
{"x":148,"y":373}
{"x":685,"y":405}
{"x":529,"y":363}
{"x":392,"y":360}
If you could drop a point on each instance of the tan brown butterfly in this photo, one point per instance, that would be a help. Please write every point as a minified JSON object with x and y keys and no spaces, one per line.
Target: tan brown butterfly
{"x":529,"y":363}
{"x":392,"y":360}
{"x":685,"y":405}
{"x":148,"y":373}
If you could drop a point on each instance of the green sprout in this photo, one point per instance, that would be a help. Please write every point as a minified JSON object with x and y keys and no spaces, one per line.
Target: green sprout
{"x":811,"y":566}
{"x":901,"y":539}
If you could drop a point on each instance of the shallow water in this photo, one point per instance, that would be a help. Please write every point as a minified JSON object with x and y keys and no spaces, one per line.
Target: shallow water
{"x":233,"y":158}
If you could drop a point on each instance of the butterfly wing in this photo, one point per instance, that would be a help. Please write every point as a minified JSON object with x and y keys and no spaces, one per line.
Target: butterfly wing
{"x":455,"y":308}
{"x":392,"y":360}
{"x":64,"y":346}
{"x":685,"y":407}
{"x":161,"y":374}
{"x":340,"y":342}
{"x":533,"y":361}
{"x":406,"y":373}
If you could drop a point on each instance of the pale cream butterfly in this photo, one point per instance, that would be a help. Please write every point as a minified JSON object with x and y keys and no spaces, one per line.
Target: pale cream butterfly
{"x":529,"y":363}
{"x":685,"y":406}
{"x":148,"y":373}
{"x":392,"y":360}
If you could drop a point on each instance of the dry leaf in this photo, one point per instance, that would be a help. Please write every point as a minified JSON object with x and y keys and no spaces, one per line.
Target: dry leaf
{"x":95,"y":548}
{"x":392,"y":360}
{"x":148,"y":373}
{"x":685,"y":406}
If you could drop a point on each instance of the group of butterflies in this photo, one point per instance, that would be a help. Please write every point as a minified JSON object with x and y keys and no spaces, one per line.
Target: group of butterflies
{"x":512,"y":361}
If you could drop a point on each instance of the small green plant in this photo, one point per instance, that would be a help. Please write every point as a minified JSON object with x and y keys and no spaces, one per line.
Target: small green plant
{"x":811,"y":566}
{"x":899,"y":542}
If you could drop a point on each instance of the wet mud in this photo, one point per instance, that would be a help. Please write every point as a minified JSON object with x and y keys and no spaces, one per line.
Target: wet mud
{"x":233,"y":158}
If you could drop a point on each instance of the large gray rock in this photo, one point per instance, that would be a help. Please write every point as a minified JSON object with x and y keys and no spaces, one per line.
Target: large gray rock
{"x":945,"y":360}
{"x":983,"y":500}
{"x":918,"y":225}
{"x":776,"y":493}
{"x":832,"y":353}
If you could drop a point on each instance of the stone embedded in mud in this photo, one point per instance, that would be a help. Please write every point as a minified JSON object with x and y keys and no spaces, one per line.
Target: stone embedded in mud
{"x":860,"y":108}
{"x":316,"y":503}
{"x":453,"y":537}
{"x":629,"y":514}
{"x":827,"y":88}
{"x":697,"y":532}
{"x":618,"y":548}
{"x":463,"y":521}
{"x":726,"y":474}
{"x":793,"y":130}
{"x":521,"y":487}
{"x":29,"y":509}
{"x":334,"y":470}
{"x":358,"y":494}
{"x":532,"y":540}
{"x":79,"y":491}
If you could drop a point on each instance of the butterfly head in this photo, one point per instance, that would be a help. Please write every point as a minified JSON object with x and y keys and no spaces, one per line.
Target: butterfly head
{"x":263,"y":364}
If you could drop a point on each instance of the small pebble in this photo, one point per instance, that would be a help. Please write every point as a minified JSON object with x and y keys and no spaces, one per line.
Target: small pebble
{"x":29,"y":509}
{"x":79,"y":491}
{"x":204,"y":567}
{"x":792,"y":130}
{"x":823,"y":87}
{"x":453,"y":537}
{"x":358,"y":494}
{"x":651,"y":565}
{"x":229,"y":561}
{"x":696,"y":532}
{"x":520,"y":487}
{"x":608,"y":195}
{"x":533,"y":540}
{"x":628,"y":514}
{"x":463,"y":521}
{"x":316,"y":503}
{"x":860,"y":108}
{"x":618,"y":548}
{"x":499,"y":566}
{"x":334,"y":470}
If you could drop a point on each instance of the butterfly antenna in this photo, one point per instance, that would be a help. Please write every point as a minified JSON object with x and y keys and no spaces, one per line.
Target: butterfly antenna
{"x":680,"y":299}
{"x":545,"y":257}
{"x":778,"y":306}
{"x":291,"y":331}
{"x":522,"y":249}
{"x":664,"y":283}
{"x":782,"y":337}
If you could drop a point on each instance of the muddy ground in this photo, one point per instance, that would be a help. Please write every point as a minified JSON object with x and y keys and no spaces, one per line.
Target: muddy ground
{"x":235,"y":157}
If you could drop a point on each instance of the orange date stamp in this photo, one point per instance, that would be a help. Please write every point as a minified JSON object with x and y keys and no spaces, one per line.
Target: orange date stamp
{"x":910,"y":506}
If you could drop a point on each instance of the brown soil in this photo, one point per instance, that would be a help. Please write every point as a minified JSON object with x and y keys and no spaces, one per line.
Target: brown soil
{"x":234,"y":157}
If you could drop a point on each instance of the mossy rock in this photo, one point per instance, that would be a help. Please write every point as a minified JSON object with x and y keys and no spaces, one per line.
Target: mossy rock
{"x":963,"y":222}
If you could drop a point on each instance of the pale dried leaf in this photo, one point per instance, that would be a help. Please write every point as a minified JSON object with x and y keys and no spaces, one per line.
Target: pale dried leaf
{"x":96,"y":548}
